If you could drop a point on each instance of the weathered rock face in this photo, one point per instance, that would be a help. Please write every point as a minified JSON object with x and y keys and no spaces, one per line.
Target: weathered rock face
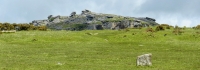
{"x":56,"y":19}
{"x":144,"y":60}
{"x":94,"y":21}
{"x":149,"y":20}
{"x":40,"y":22}
{"x":85,"y":12}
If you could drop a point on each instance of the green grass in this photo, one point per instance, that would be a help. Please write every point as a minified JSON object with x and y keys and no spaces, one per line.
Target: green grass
{"x":108,"y":50}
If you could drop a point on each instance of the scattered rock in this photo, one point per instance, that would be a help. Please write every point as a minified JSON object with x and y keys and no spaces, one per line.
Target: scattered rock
{"x":60,"y":63}
{"x":141,"y":45}
{"x":105,"y":39}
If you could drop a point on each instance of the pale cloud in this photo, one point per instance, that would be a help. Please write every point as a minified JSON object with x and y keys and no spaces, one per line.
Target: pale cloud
{"x":139,"y":2}
{"x":172,"y":21}
{"x":186,"y":23}
{"x":173,"y":12}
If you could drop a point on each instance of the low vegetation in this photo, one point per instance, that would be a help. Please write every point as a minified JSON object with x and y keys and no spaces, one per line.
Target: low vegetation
{"x":99,"y":49}
{"x":21,"y":27}
{"x":197,"y":27}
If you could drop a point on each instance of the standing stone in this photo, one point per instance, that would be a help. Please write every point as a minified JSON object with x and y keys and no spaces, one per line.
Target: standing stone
{"x":144,"y":60}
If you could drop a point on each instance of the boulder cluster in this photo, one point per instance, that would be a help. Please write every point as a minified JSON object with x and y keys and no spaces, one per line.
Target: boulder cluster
{"x":93,"y":21}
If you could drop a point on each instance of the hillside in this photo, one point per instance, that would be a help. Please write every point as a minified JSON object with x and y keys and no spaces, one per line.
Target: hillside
{"x":94,"y":21}
{"x":99,"y":50}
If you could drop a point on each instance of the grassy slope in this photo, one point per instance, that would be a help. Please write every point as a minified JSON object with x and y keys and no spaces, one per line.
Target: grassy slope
{"x":108,"y":50}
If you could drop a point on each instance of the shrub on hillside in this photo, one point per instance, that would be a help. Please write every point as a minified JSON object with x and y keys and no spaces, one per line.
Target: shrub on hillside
{"x":193,"y":27}
{"x":164,"y":25}
{"x":197,"y":32}
{"x":168,"y":27}
{"x":19,"y":27}
{"x":126,"y":30}
{"x":149,"y":30}
{"x":0,"y":26}
{"x":42,"y":28}
{"x":79,"y":26}
{"x":197,"y":27}
{"x":6,"y":26}
{"x":24,"y":26}
{"x":177,"y":30}
{"x":159,"y":28}
{"x":176,"y":27}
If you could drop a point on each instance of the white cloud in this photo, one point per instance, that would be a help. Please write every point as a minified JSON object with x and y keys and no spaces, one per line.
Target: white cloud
{"x":139,"y":2}
{"x":185,"y":23}
{"x":173,"y":12}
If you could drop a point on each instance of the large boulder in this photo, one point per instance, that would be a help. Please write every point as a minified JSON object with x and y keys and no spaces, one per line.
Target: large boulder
{"x":56,"y":19}
{"x":137,"y":23}
{"x":90,"y":17}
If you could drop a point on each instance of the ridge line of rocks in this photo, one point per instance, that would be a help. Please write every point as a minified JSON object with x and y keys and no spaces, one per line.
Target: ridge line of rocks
{"x":93,"y":21}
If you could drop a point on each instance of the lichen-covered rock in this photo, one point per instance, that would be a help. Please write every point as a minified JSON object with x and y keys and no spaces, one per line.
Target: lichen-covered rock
{"x":144,"y":60}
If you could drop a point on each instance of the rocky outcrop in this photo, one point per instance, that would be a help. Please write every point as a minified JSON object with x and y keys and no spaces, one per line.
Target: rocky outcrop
{"x":40,"y":22}
{"x":93,"y":21}
{"x":151,"y":21}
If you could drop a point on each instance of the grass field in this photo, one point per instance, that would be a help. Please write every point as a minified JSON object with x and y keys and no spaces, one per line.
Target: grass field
{"x":98,"y":50}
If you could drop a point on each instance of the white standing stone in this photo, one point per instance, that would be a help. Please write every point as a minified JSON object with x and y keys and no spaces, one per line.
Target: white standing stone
{"x":144,"y":60}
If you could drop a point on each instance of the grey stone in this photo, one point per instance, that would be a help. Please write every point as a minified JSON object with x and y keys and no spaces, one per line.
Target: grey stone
{"x":144,"y":60}
{"x":90,"y":17}
{"x":56,"y":20}
{"x":85,"y":12}
{"x":72,"y":14}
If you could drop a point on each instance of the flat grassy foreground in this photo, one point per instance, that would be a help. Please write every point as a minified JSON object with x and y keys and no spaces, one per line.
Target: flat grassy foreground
{"x":98,"y":50}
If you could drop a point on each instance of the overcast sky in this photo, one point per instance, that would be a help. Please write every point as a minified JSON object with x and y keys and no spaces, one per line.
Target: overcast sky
{"x":173,"y":12}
